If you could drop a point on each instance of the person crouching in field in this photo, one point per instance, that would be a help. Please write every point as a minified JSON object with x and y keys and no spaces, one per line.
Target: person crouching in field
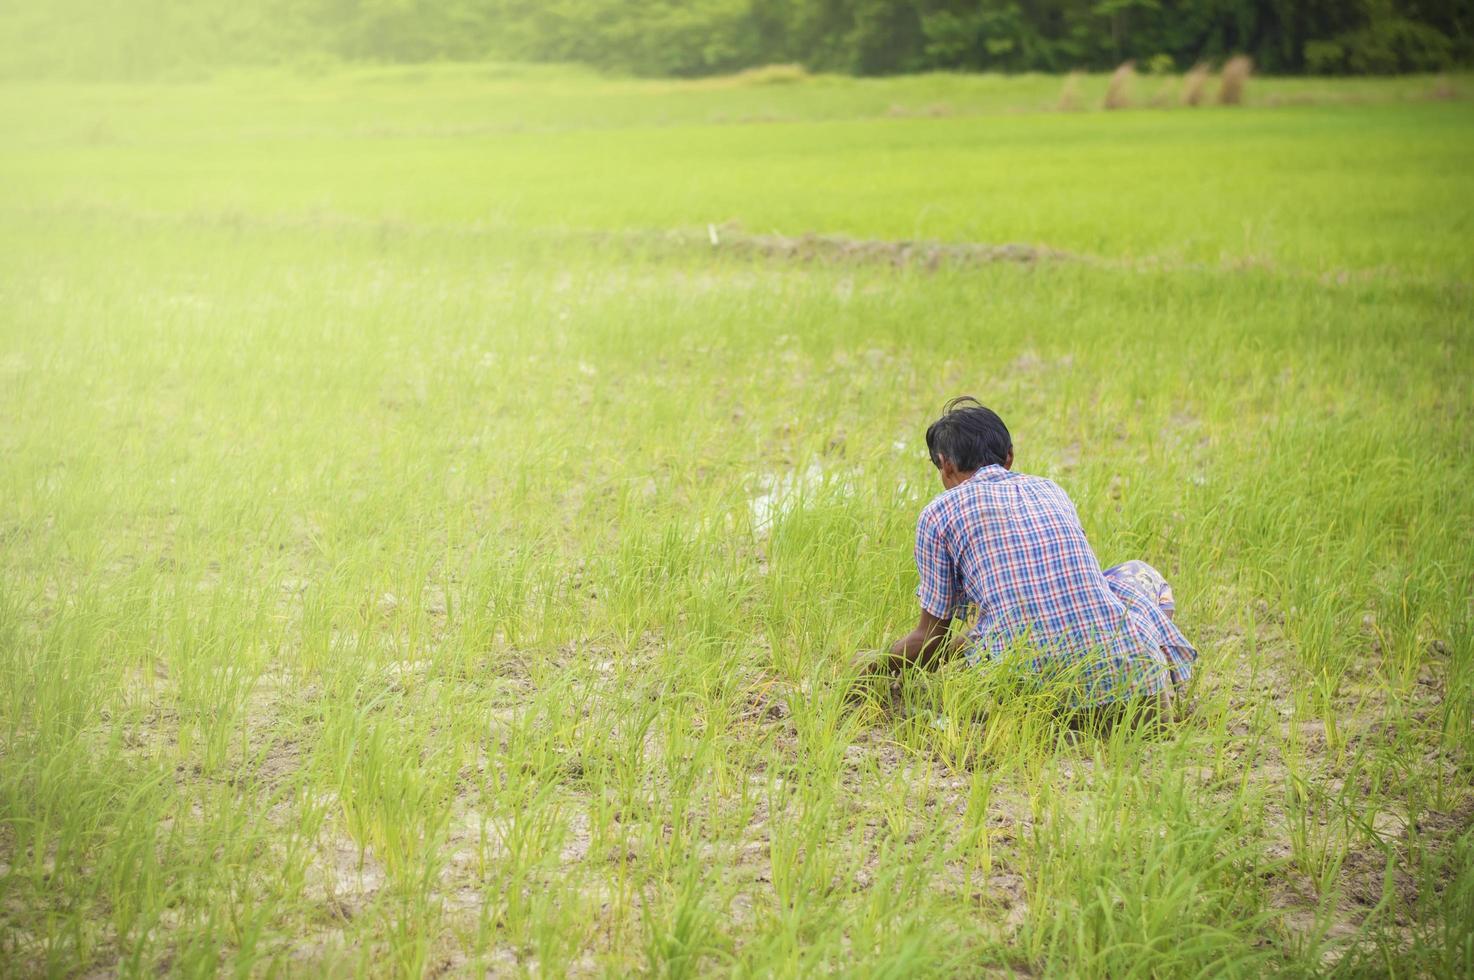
{"x":1011,"y":545}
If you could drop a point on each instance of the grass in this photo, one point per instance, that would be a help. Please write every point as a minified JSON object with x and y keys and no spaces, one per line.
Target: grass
{"x":382,"y":589}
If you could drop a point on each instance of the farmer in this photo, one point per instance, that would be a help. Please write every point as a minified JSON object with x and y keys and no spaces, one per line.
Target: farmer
{"x":1011,"y":545}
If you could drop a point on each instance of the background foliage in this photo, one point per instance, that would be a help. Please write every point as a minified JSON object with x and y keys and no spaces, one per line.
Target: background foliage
{"x":163,"y":38}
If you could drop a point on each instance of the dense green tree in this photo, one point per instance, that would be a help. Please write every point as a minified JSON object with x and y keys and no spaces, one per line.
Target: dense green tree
{"x":152,"y":38}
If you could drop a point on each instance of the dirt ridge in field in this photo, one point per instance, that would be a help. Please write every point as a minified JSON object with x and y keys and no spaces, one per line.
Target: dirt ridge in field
{"x":726,"y":240}
{"x":833,"y":249}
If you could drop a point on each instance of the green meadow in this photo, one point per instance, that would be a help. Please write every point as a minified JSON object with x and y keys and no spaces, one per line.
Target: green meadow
{"x":439,"y":506}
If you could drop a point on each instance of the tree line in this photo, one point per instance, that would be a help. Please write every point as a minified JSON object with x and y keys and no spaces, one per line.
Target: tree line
{"x":148,"y":38}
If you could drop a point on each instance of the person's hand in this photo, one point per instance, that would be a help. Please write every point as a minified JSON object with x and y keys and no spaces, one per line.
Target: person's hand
{"x":866,"y":662}
{"x":869,"y":674}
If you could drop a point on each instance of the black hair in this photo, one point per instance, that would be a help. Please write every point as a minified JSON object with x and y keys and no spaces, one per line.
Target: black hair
{"x":968,"y":434}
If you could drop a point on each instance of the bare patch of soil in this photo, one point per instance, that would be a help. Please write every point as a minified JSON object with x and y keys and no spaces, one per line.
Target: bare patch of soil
{"x":844,"y":250}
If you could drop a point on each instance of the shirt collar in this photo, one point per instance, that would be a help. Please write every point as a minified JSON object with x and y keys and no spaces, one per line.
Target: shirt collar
{"x":991,"y":472}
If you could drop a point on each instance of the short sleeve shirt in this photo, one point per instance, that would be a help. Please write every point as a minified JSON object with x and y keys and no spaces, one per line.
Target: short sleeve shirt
{"x":1011,"y":545}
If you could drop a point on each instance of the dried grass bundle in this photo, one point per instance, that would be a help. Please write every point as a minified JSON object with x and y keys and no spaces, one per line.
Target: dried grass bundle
{"x":771,"y":75}
{"x":1118,"y":90}
{"x":1194,"y":83}
{"x":1235,"y":78}
{"x":1069,"y":94}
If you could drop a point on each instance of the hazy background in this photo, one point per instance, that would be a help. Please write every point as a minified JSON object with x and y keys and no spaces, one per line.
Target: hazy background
{"x":147,"y":39}
{"x":440,"y":503}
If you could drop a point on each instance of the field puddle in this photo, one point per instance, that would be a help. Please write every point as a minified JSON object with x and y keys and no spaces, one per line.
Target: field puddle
{"x":780,"y":494}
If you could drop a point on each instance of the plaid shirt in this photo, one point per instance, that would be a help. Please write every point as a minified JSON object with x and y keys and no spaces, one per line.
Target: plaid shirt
{"x":1012,"y":546}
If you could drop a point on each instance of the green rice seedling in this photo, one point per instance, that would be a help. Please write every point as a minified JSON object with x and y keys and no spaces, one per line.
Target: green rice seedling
{"x":976,"y":839}
{"x":684,"y":938}
{"x":1316,"y":841}
{"x":1131,"y":900}
{"x":422,"y":550}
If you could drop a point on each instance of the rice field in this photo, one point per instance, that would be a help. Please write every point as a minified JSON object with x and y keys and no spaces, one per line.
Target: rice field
{"x":439,"y":508}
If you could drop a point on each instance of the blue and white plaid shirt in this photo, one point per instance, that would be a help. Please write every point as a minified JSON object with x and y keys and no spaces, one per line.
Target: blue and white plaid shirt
{"x":1012,"y":546}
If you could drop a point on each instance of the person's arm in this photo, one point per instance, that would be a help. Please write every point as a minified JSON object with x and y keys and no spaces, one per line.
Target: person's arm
{"x":938,"y":594}
{"x":925,"y":646}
